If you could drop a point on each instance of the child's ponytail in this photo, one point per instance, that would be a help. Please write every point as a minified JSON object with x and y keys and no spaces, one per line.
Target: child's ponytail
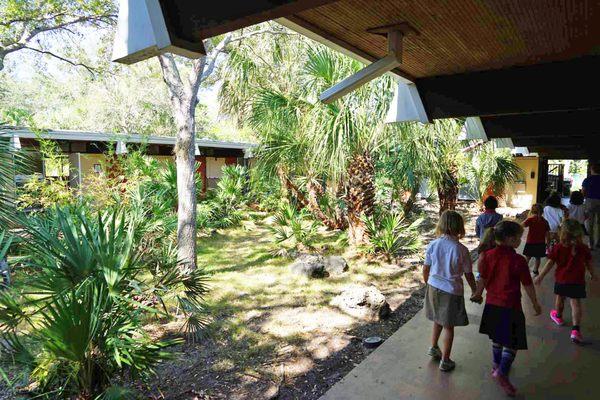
{"x":488,"y":241}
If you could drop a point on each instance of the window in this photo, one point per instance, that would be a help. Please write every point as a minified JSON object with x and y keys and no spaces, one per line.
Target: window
{"x":56,"y":167}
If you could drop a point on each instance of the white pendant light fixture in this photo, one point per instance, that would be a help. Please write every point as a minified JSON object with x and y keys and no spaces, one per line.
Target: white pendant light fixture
{"x":15,"y":143}
{"x":121,"y":148}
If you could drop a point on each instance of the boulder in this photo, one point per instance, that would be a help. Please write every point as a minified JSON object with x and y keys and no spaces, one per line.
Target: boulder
{"x":366,"y":303}
{"x":335,"y":265}
{"x":309,"y":265}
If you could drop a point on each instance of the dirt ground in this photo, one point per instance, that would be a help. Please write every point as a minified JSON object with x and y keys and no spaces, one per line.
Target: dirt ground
{"x":274,"y":335}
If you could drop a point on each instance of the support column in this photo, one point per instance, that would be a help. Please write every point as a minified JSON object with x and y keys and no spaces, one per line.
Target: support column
{"x":542,"y":192}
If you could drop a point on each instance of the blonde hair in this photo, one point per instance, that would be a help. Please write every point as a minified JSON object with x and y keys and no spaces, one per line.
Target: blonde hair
{"x":451,"y":223}
{"x":536,"y":209}
{"x":488,"y":241}
{"x":507,"y":229}
{"x":571,"y":232}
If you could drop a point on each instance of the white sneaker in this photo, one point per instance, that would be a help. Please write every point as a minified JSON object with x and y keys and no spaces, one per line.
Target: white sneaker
{"x":447,"y":365}
{"x":435,"y":352}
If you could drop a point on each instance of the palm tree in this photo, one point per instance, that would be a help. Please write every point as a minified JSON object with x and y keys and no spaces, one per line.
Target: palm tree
{"x":12,"y":162}
{"x":446,"y":158}
{"x":346,"y":135}
{"x":490,"y":171}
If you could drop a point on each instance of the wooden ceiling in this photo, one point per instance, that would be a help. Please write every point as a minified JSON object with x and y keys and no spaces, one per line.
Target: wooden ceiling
{"x":487,"y":58}
{"x":463,"y":36}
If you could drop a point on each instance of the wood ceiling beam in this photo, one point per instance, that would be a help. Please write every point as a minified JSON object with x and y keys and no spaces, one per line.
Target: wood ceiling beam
{"x":193,"y":20}
{"x":543,"y":125}
{"x":561,"y":86}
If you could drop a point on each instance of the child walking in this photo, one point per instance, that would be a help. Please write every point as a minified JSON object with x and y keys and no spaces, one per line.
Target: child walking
{"x":502,"y":272}
{"x":537,"y":237}
{"x":446,"y":261}
{"x":489,"y":218}
{"x":576,"y":207}
{"x":571,"y":258}
{"x":554,"y":214}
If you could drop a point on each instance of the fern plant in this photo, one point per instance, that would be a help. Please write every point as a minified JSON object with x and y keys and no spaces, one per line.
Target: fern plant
{"x":76,"y":321}
{"x":391,"y":234}
{"x":293,"y":229}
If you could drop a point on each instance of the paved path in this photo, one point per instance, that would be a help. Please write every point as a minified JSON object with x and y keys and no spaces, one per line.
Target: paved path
{"x":552,"y":368}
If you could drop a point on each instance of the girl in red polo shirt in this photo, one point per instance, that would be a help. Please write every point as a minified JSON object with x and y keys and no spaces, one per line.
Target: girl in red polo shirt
{"x":502,"y":272}
{"x":537,"y":236}
{"x":571,"y":258}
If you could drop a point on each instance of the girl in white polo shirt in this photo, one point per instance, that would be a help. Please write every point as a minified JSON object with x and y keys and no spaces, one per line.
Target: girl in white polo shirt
{"x":446,"y":261}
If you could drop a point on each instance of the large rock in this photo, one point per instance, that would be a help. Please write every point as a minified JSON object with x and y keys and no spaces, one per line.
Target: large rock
{"x":366,"y":303}
{"x":309,"y":265}
{"x":335,"y":265}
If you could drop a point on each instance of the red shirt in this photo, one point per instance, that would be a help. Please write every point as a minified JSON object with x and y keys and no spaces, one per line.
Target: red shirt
{"x":570,"y":268}
{"x":504,"y":271}
{"x":538,"y":228}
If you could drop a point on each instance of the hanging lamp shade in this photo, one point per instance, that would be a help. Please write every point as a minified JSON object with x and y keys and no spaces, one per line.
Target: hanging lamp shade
{"x":474,"y":129}
{"x":406,"y":105}
{"x":121,"y":147}
{"x":142,"y":33}
{"x":15,"y":143}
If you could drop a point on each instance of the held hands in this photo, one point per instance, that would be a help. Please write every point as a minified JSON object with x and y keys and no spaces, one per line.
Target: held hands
{"x":477,"y":298}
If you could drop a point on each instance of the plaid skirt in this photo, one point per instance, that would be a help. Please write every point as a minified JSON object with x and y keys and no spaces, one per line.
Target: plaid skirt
{"x":445,"y":308}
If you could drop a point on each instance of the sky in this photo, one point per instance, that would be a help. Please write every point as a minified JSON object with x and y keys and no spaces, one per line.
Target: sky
{"x":23,"y":66}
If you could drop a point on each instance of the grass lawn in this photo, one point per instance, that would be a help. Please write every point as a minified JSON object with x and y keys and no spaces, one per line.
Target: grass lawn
{"x":274,"y":332}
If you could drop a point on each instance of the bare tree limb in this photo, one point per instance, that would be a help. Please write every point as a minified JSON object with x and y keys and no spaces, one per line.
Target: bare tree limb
{"x":171,"y":76}
{"x":31,"y":34}
{"x":91,"y":70}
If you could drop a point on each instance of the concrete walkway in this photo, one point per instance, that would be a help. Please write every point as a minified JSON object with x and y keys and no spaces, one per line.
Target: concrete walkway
{"x":552,"y":368}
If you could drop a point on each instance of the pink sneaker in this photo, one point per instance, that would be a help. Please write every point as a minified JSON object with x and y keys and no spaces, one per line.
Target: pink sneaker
{"x":494,"y":368}
{"x":576,"y":337}
{"x":505,"y":384}
{"x":557,"y":320}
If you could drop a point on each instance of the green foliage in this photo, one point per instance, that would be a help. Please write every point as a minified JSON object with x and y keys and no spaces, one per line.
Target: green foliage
{"x":225,"y":206}
{"x":265,"y":191}
{"x":391,"y":235}
{"x":11,"y":163}
{"x":76,"y":321}
{"x":232,"y":186}
{"x":490,"y":171}
{"x":293,"y":229}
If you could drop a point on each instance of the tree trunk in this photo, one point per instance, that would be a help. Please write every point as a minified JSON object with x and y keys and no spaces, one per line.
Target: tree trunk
{"x":448,"y":191}
{"x":360,"y":197}
{"x":290,"y":187}
{"x":314,"y":191}
{"x":186,"y":188}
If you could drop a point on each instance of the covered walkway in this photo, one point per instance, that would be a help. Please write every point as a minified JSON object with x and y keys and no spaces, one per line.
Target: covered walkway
{"x":552,"y":368}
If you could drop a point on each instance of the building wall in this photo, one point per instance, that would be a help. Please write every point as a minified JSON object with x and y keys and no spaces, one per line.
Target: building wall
{"x":523,"y":194}
{"x":87,"y":162}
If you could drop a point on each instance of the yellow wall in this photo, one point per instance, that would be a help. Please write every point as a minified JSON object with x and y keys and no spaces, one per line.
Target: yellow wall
{"x":523,"y":194}
{"x":87,"y":164}
{"x":88,"y":161}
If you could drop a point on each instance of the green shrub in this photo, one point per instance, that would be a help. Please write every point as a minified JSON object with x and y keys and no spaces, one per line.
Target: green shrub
{"x":224,"y":207}
{"x":75,"y":320}
{"x":293,"y":229}
{"x":391,"y":234}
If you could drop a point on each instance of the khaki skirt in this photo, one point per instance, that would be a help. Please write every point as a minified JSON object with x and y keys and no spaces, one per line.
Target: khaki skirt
{"x":444,"y":308}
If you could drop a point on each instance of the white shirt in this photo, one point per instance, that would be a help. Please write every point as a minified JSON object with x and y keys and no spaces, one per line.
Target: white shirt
{"x":577,"y":213}
{"x":554,"y":216}
{"x":448,"y":260}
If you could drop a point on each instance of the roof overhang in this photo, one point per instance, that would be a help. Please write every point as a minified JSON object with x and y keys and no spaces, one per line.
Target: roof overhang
{"x":487,"y":59}
{"x":117,"y":137}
